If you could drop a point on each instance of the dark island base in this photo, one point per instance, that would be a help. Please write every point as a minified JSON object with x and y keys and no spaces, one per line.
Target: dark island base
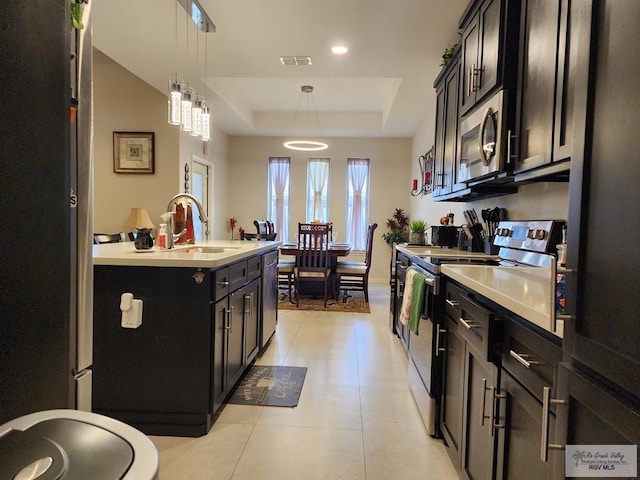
{"x":164,"y":424}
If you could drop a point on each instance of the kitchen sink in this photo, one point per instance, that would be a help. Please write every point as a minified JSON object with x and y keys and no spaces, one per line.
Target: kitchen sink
{"x":193,"y":249}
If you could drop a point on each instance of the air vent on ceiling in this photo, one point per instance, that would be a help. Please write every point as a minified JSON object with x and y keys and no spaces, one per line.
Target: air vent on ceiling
{"x":295,"y":60}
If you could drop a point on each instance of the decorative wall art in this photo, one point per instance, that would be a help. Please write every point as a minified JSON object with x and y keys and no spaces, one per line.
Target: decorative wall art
{"x":133,"y":152}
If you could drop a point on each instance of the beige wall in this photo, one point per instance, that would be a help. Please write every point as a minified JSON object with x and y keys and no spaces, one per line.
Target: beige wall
{"x":123,"y":102}
{"x":248,"y":160}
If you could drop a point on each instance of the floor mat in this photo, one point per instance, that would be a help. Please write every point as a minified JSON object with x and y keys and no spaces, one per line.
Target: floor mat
{"x":354,"y":303}
{"x":270,"y":386}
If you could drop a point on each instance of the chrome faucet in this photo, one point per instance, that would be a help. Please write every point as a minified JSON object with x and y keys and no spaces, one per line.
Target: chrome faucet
{"x":201,"y":213}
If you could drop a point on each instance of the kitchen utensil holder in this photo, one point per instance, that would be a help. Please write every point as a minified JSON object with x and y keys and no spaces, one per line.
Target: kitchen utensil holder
{"x":475,"y":243}
{"x":489,"y":247}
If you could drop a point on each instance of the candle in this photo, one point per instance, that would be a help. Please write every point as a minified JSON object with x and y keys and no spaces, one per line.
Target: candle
{"x":415,"y":183}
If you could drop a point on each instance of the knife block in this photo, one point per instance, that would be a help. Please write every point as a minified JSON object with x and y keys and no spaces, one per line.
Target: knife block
{"x":475,"y":243}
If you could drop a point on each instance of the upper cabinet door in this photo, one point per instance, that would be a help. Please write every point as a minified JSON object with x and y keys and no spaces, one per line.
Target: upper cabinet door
{"x":487,"y":75}
{"x":470,"y":41}
{"x":482,"y":42}
{"x":537,"y":80}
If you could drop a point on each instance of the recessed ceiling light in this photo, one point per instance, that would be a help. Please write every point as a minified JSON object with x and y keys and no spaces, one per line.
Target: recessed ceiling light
{"x":339,"y":50}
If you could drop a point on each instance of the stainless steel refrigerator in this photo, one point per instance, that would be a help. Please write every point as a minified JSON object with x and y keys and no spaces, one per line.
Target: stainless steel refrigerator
{"x":46,"y":278}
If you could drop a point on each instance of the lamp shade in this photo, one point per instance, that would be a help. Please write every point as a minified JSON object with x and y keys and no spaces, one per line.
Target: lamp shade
{"x":139,"y":218}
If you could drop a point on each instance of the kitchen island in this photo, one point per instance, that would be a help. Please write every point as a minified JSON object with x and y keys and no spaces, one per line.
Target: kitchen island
{"x":203,"y":314}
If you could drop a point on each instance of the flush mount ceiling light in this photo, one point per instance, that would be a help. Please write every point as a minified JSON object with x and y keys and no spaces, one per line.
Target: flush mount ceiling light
{"x":339,"y":49}
{"x":306,"y":145}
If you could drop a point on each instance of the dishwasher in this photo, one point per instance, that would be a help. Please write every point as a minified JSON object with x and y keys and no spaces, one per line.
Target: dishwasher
{"x":269,"y":297}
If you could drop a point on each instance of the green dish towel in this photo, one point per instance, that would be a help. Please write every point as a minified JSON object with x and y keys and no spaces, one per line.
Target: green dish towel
{"x":417,"y":300}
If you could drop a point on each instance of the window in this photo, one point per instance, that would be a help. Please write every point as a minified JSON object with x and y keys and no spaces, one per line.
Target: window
{"x":318,"y":189}
{"x":357,"y":202}
{"x":278,"y":195}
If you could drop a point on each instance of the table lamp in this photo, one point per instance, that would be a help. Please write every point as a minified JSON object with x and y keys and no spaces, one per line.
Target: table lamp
{"x":139,"y":218}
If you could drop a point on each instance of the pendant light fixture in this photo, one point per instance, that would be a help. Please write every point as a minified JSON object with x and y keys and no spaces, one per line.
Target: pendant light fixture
{"x":185,"y":107}
{"x":306,"y":145}
{"x":175,"y":85}
{"x":206,"y":116}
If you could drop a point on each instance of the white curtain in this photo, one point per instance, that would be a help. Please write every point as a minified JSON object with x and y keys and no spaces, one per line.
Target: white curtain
{"x":357,"y":202}
{"x":279,"y":169}
{"x":317,"y":189}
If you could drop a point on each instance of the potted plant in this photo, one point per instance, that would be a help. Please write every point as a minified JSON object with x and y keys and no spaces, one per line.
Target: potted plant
{"x":418,"y":229}
{"x":398,"y":228}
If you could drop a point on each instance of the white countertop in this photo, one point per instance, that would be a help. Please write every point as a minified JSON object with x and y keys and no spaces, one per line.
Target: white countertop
{"x":526,"y":291}
{"x":125,"y":254}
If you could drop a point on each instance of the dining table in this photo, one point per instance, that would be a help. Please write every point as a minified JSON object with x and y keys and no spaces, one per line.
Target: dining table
{"x":335,"y":250}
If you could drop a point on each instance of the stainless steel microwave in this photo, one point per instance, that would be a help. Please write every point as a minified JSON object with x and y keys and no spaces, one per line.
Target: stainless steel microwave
{"x":483,"y":137}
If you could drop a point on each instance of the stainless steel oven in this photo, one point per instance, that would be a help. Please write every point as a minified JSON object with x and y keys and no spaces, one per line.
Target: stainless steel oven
{"x":483,"y":137}
{"x":424,"y":369}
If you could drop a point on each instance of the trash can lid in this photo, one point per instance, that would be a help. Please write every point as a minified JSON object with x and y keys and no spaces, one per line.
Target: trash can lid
{"x":68,"y":444}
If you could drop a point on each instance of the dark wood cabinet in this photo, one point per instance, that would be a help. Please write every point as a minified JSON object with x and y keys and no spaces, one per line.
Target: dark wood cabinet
{"x":600,"y":376}
{"x":537,"y":79}
{"x":481,"y":385}
{"x":251,"y":296}
{"x":552,"y":63}
{"x":529,"y":367}
{"x":602,"y":298}
{"x":592,"y":413}
{"x":481,"y":51}
{"x":236,"y":339}
{"x":452,"y":396}
{"x":446,"y":127}
{"x":200,"y":332}
{"x":520,"y":435}
{"x":470,"y":386}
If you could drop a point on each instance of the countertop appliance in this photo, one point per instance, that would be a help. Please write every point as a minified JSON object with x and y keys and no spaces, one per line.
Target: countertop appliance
{"x":70,"y":444}
{"x":47,"y":282}
{"x":444,"y":235}
{"x":425,"y":368}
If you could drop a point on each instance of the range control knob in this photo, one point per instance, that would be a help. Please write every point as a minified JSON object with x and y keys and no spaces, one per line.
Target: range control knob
{"x":541,"y":234}
{"x":531,"y":234}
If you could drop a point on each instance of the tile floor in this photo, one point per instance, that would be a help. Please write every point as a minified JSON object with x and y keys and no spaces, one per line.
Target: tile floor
{"x":356,"y":419}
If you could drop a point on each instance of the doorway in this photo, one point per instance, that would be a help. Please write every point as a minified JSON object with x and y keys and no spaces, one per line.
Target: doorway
{"x":201,"y":185}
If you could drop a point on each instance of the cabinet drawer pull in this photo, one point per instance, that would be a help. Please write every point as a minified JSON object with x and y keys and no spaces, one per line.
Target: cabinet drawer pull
{"x":452,"y":303}
{"x":224,"y":283}
{"x":494,"y":422}
{"x":521,"y":357}
{"x":227,"y":319}
{"x":247,"y":303}
{"x":544,"y":440}
{"x":484,"y":417}
{"x":469,"y":325}
{"x":438,"y":332}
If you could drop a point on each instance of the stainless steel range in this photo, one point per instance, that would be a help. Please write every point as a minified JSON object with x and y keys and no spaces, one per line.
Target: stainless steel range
{"x":424,"y":372}
{"x":538,"y":243}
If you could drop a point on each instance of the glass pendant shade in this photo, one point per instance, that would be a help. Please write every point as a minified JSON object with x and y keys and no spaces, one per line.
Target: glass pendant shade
{"x":206,"y":124}
{"x":186,"y":111}
{"x":175,"y":99}
{"x":196,"y":118}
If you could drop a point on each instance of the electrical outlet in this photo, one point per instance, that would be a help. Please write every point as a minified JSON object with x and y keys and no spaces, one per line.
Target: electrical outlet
{"x":132,"y":318}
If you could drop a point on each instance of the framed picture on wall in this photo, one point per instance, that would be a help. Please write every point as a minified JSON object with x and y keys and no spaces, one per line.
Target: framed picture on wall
{"x":133,"y":152}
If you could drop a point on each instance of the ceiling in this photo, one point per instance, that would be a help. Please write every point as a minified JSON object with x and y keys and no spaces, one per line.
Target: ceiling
{"x":383,"y":87}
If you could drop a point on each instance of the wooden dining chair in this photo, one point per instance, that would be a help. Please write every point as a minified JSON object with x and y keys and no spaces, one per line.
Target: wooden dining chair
{"x":312,"y":257}
{"x":355,"y":275}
